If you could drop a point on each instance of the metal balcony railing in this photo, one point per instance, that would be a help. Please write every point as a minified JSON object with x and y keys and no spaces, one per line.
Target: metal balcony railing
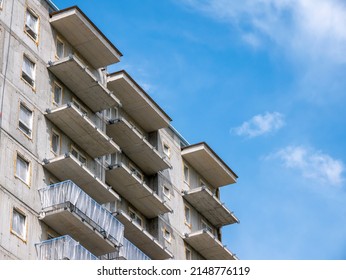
{"x":63,"y":248}
{"x":130,"y":252}
{"x":126,"y":252}
{"x":68,"y":194}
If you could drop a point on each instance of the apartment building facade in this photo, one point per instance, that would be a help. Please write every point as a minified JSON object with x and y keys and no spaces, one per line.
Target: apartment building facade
{"x":90,"y":166}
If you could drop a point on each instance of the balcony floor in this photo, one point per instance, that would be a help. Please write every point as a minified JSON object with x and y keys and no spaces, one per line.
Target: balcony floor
{"x":208,"y":246}
{"x":136,"y":147}
{"x":210,"y":207}
{"x":137,"y":193}
{"x":80,"y":80}
{"x":142,"y":239}
{"x":64,"y":222}
{"x":69,"y":168}
{"x":82,"y":131}
{"x":137,"y":103}
{"x":85,"y":37}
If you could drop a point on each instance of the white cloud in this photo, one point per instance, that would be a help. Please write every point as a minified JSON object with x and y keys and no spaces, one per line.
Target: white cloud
{"x":312,"y":164}
{"x":312,"y":29}
{"x":260,"y":124}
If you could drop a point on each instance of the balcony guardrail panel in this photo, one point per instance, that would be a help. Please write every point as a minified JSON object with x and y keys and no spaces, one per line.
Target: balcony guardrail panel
{"x":62,"y":248}
{"x":57,"y":195}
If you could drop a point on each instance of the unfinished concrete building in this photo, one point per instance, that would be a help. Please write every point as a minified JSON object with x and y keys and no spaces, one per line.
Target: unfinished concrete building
{"x":90,"y":166}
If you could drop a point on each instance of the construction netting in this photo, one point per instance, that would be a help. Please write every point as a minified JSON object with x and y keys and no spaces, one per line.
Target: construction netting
{"x":68,"y":193}
{"x":63,"y":248}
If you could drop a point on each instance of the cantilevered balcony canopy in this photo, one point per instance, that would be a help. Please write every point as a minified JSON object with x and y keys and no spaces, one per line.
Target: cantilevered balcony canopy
{"x":67,"y":167}
{"x":82,"y":82}
{"x":136,"y":191}
{"x":209,"y":206}
{"x":208,"y":246}
{"x":143,"y":239}
{"x":137,"y":103}
{"x":136,"y":147}
{"x":85,"y":37}
{"x":209,"y":165}
{"x":82,"y":130}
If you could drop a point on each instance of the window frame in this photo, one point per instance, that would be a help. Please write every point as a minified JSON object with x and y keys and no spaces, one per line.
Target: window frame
{"x":80,"y":154}
{"x":135,"y":171}
{"x":136,"y":217}
{"x":79,"y":106}
{"x":25,"y":226}
{"x":169,"y":152}
{"x":111,"y":113}
{"x":31,"y":81}
{"x":164,"y":231}
{"x":190,"y":253}
{"x":36,"y":33}
{"x":187,"y":220}
{"x":21,"y":123}
{"x":207,"y":226}
{"x":54,"y":86}
{"x":59,"y":40}
{"x":59,"y":142}
{"x":166,"y":194}
{"x":186,"y":180}
{"x":28,"y":169}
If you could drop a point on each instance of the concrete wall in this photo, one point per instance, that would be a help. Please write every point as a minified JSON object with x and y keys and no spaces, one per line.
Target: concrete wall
{"x":14,"y":43}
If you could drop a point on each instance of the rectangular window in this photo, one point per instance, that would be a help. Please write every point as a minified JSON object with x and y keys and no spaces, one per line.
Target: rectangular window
{"x":18,"y":223}
{"x":59,"y":48}
{"x":23,"y":169}
{"x":188,"y":254}
{"x":135,"y":217}
{"x":111,"y":113}
{"x":166,"y":191}
{"x":31,"y":24}
{"x":57,"y":93}
{"x":187,"y":215}
{"x":167,"y":235}
{"x":78,"y":155}
{"x":108,"y":159}
{"x":136,"y":172}
{"x":186,"y":174}
{"x":28,"y":71}
{"x":207,"y":227}
{"x":25,"y":120}
{"x":55,"y":142}
{"x":166,"y":150}
{"x":79,"y":106}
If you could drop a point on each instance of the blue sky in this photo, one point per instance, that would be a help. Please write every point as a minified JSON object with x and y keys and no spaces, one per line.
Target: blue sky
{"x":263,"y":83}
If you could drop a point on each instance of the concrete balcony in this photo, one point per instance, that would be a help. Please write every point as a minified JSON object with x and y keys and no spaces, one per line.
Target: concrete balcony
{"x":63,"y":248}
{"x":67,"y":167}
{"x":137,"y":103}
{"x":209,"y":165}
{"x":82,"y":82}
{"x":207,"y":245}
{"x":82,"y":130}
{"x":85,"y":37}
{"x":135,"y":190}
{"x":209,"y":206}
{"x":68,"y":210}
{"x":142,"y":239}
{"x":136,"y":146}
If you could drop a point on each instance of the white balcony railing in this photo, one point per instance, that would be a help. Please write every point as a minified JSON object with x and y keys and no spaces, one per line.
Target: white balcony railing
{"x":126,"y":252}
{"x":63,"y":248}
{"x":68,"y":194}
